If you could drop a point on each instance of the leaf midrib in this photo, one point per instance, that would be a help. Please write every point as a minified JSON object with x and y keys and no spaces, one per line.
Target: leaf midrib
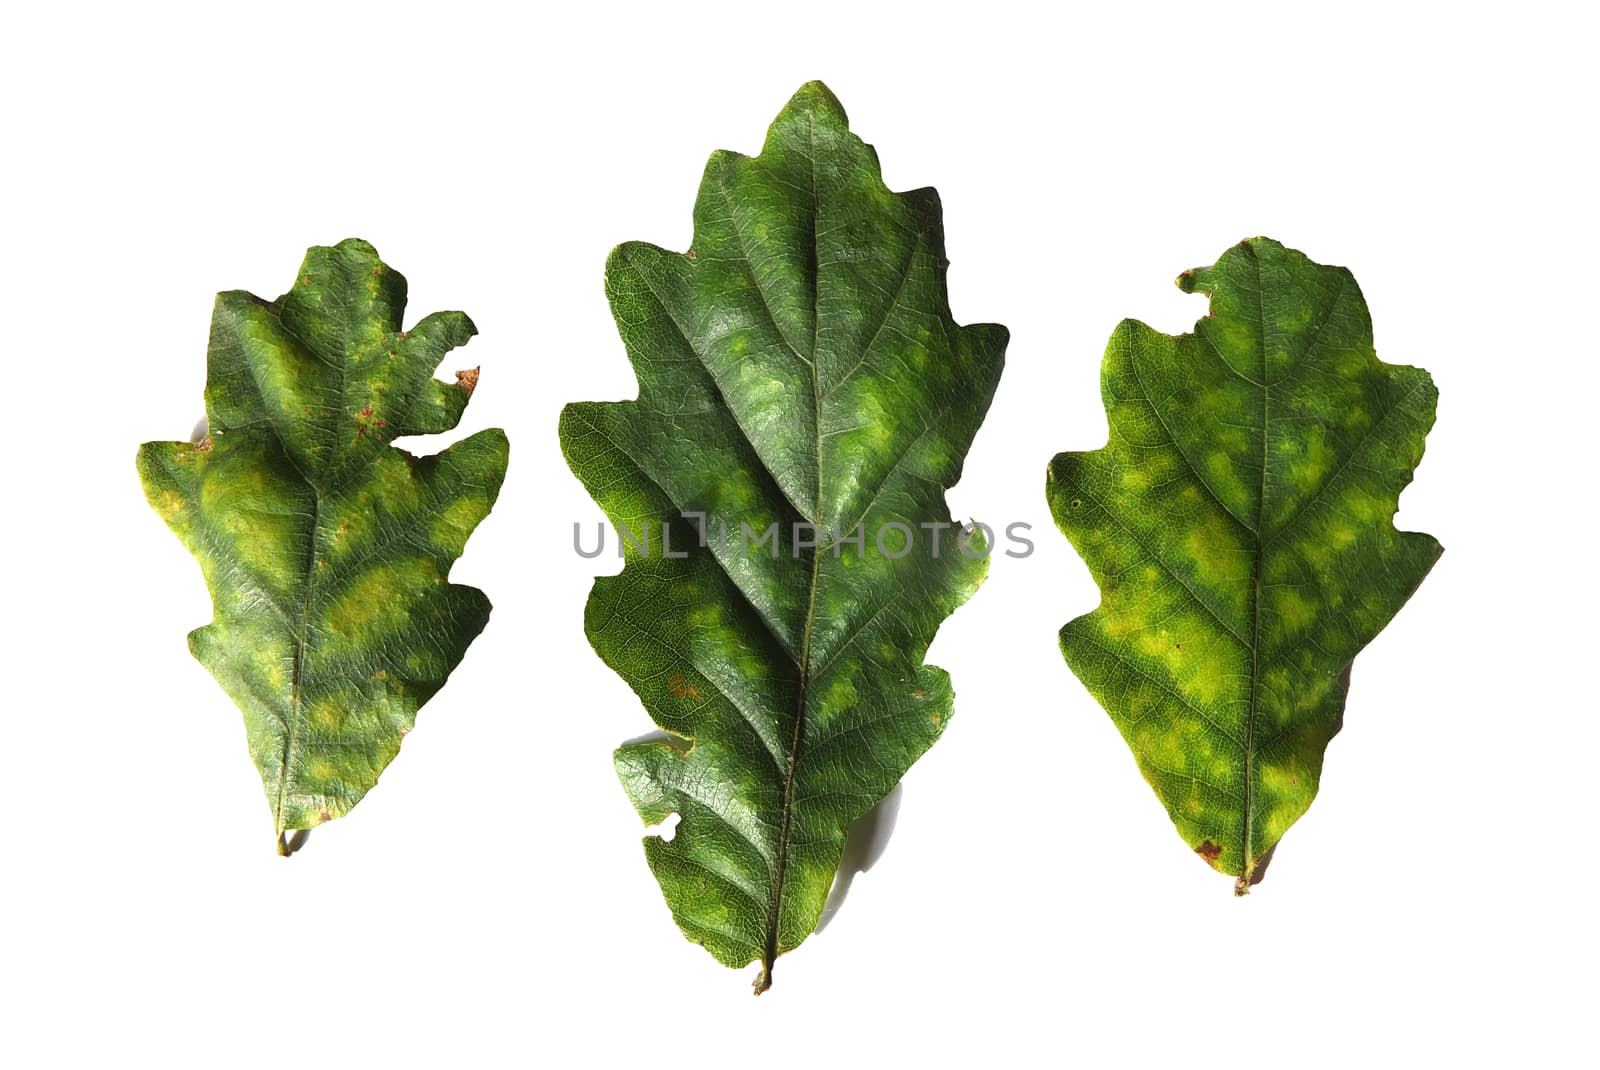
{"x":1246,"y":863}
{"x":318,"y":493}
{"x":786,"y":813}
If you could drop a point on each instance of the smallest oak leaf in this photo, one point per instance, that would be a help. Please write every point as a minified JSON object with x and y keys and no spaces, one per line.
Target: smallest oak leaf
{"x":327,"y":550}
{"x":1240,"y":527}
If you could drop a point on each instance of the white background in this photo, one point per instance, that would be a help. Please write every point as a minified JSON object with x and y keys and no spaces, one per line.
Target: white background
{"x":488,"y":904}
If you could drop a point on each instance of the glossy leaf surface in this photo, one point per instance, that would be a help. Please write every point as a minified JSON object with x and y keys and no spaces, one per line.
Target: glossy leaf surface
{"x":326,"y":548}
{"x":1240,"y":527}
{"x":799,"y":366}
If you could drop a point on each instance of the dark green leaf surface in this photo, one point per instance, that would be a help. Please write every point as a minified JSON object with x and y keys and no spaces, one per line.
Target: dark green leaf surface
{"x":326,"y":548}
{"x":798,"y":366}
{"x":1240,"y":527}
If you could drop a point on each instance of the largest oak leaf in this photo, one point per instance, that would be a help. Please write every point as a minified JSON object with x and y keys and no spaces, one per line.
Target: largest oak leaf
{"x":799,"y":366}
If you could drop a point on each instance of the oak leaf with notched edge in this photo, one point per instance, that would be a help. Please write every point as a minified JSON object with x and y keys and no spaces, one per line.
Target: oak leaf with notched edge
{"x":326,"y":548}
{"x":798,"y":366}
{"x":1240,"y":526}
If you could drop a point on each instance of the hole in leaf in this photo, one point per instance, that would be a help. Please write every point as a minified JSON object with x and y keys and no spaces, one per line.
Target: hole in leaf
{"x":666,"y":828}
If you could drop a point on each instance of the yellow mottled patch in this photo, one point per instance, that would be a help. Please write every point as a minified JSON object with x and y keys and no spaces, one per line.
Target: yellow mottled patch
{"x":455,"y":523}
{"x":270,"y":664}
{"x":1288,"y":792}
{"x":1170,"y":754}
{"x":1224,"y":479}
{"x":260,"y":539}
{"x":1205,"y":676}
{"x":1156,"y":644}
{"x":1316,"y":553}
{"x":706,"y":615}
{"x":380,"y":600}
{"x":171,"y":506}
{"x":1140,"y":698}
{"x":224,"y":486}
{"x":1294,"y":609}
{"x":1293,"y":319}
{"x":1213,"y":546}
{"x":1276,"y":681}
{"x":1354,"y":363}
{"x":327,"y":714}
{"x":392,"y":482}
{"x":350,"y":528}
{"x":839,"y":696}
{"x":1361,"y":505}
{"x":1314,"y":463}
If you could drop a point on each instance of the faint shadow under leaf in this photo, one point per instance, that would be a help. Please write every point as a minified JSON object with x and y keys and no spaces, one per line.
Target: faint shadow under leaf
{"x":656,"y":736}
{"x":289,"y":843}
{"x":864,"y":844}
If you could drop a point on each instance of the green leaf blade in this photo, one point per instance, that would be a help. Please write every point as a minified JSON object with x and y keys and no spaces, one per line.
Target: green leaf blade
{"x":326,"y":548}
{"x":1239,"y":525}
{"x":799,"y":366}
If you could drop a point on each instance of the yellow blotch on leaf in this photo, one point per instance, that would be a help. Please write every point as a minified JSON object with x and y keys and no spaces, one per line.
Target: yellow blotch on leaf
{"x":1294,"y":609}
{"x":379,"y":601}
{"x":457,"y":521}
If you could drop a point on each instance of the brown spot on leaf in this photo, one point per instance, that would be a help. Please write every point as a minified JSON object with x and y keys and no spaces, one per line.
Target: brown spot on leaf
{"x":324,"y":814}
{"x":1209,"y":851}
{"x":682,"y":688}
{"x":467,"y":379}
{"x":918,"y":693}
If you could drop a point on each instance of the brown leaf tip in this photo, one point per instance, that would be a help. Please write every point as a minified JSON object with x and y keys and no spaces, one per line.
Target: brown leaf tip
{"x":467,"y":379}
